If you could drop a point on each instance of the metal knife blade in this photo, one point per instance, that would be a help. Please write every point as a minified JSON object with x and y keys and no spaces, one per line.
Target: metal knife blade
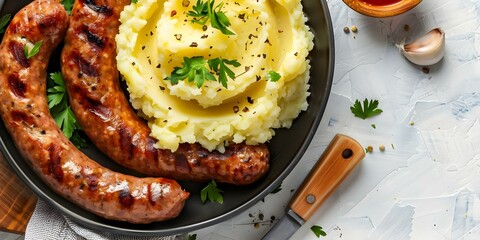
{"x":285,"y":228}
{"x":339,"y":159}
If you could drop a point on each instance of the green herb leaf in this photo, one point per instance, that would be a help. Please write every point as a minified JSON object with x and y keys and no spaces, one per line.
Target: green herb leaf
{"x":205,"y":10}
{"x":195,"y":70}
{"x":219,"y":20}
{"x":56,"y":90}
{"x":4,"y":21}
{"x":374,"y":126}
{"x":68,"y":5}
{"x":219,"y":66}
{"x":54,"y":99}
{"x":134,"y":1}
{"x":368,"y":110}
{"x":66,"y":121}
{"x":200,"y":13}
{"x":273,"y":76}
{"x":318,"y":231}
{"x":78,"y":140}
{"x":212,"y":192}
{"x":61,"y":111}
{"x":192,"y":237}
{"x":192,"y":68}
{"x":32,"y":52}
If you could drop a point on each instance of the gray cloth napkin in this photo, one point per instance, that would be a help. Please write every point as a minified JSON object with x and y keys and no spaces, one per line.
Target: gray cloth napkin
{"x":48,"y":224}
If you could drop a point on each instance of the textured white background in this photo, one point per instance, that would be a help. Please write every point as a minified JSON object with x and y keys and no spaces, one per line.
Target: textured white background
{"x":428,"y":186}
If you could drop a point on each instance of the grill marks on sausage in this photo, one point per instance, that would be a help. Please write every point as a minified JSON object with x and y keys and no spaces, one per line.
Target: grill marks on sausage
{"x":150,"y":195}
{"x":125,"y":135}
{"x":17,"y":86}
{"x":92,"y":182}
{"x":92,"y":38}
{"x":19,"y":116}
{"x":150,"y":151}
{"x":54,"y":165}
{"x":229,"y":152}
{"x":96,"y":107}
{"x":84,"y":66}
{"x":91,"y":104}
{"x":181,"y":163}
{"x":16,"y":49}
{"x":202,"y":153}
{"x":47,"y":22}
{"x":125,"y":198}
{"x":99,"y":9}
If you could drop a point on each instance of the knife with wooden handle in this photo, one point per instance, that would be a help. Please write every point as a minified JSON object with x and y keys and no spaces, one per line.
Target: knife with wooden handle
{"x":339,"y":159}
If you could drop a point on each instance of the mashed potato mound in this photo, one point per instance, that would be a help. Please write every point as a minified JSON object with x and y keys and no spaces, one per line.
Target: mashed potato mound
{"x":270,"y":35}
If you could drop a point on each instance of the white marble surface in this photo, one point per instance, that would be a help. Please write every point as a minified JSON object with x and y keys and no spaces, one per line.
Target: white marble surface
{"x":428,"y":185}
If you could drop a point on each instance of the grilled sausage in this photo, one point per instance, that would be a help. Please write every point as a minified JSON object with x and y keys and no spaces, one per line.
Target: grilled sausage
{"x":24,"y":109}
{"x":103,"y":111}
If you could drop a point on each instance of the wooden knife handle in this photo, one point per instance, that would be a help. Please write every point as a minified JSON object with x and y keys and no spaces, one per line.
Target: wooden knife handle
{"x":339,"y":159}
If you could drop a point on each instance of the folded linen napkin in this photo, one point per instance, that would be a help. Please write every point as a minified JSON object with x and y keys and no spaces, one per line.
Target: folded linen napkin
{"x":47,"y":223}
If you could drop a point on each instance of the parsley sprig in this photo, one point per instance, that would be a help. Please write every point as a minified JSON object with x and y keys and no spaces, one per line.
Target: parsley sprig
{"x":61,"y":111}
{"x":368,"y":110}
{"x":219,"y":66}
{"x":68,"y":5}
{"x":212,"y":192}
{"x":195,"y":69}
{"x":318,"y":231}
{"x":273,"y":76}
{"x":205,"y":10}
{"x":33,"y":51}
{"x":4,"y":21}
{"x":192,"y":68}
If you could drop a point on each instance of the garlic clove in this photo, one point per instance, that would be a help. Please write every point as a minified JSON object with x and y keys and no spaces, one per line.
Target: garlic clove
{"x":426,"y":50}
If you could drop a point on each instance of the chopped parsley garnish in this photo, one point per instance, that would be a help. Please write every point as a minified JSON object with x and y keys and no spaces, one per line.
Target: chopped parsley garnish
{"x":273,"y":76}
{"x":134,"y":1}
{"x":32,"y":52}
{"x":68,"y":5}
{"x":205,"y":10}
{"x":219,"y":66}
{"x":200,"y":12}
{"x":212,"y":192}
{"x":192,"y":237}
{"x":61,"y":111}
{"x":318,"y":231}
{"x":4,"y":21}
{"x":368,"y":110}
{"x":195,"y":69}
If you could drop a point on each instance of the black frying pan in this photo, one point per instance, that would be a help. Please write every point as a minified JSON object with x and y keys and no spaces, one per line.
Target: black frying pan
{"x":287,"y":147}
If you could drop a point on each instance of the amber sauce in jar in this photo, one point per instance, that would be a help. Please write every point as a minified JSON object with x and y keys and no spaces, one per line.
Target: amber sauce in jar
{"x":381,"y":2}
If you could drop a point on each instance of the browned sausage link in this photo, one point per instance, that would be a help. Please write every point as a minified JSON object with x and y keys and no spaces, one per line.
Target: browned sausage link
{"x":89,"y":69}
{"x":24,"y":109}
